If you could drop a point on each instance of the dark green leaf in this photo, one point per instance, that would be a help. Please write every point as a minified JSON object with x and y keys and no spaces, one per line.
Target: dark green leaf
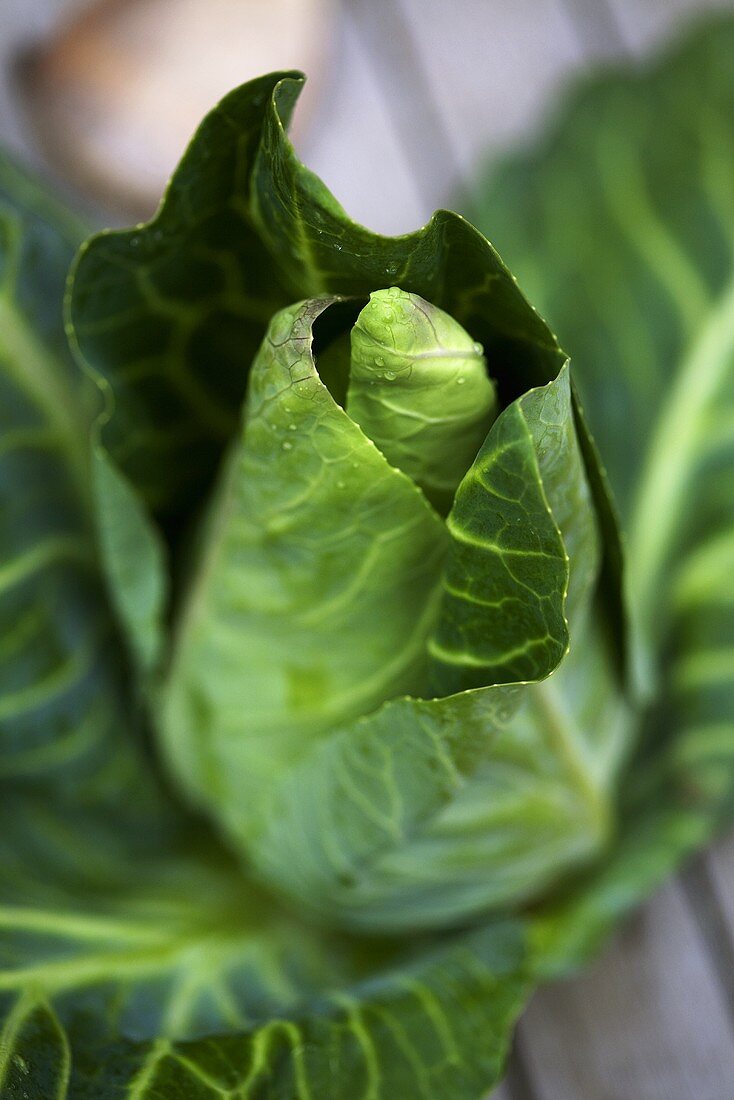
{"x":63,"y":714}
{"x":143,"y":966}
{"x":172,"y":313}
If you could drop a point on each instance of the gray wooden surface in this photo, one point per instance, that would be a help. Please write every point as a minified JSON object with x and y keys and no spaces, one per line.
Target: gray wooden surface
{"x":419,"y":92}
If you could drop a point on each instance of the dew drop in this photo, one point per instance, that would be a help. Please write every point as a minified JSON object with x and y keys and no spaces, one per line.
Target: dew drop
{"x":287,"y":446}
{"x":460,"y":381}
{"x":390,"y":375}
{"x":379,"y":361}
{"x":478,"y":349}
{"x":292,"y":427}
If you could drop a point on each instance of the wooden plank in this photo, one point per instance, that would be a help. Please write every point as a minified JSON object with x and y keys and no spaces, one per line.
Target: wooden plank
{"x":502,"y":1093}
{"x":647,"y":1021}
{"x":496,"y":70}
{"x":721,"y":865}
{"x":710,"y":888}
{"x":646,"y":24}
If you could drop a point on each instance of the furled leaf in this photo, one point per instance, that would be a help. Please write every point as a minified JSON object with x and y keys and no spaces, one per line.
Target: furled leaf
{"x":172,"y":314}
{"x":419,"y":388}
{"x":523,"y":531}
{"x":315,"y":592}
{"x":620,"y":226}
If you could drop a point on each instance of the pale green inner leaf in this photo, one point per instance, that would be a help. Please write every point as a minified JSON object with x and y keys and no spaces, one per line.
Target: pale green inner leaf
{"x":418,"y":387}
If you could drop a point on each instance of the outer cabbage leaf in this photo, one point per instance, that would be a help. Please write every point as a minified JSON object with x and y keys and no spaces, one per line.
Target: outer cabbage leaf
{"x":172,"y":313}
{"x":64,"y":715}
{"x":620,"y":227}
{"x":146,"y":971}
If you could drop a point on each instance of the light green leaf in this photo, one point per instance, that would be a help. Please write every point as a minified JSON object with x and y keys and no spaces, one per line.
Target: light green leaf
{"x":428,"y":812}
{"x":621,"y":228}
{"x":315,"y":592}
{"x":419,"y":388}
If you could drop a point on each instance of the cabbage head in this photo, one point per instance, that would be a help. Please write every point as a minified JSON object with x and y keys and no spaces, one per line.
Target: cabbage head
{"x":321,"y":736}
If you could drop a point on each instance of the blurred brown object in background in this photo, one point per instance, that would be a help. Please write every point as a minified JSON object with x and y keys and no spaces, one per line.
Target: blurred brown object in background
{"x":116,"y":94}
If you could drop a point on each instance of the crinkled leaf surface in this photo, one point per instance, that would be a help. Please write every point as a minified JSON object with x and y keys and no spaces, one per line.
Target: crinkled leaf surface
{"x":620,"y":226}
